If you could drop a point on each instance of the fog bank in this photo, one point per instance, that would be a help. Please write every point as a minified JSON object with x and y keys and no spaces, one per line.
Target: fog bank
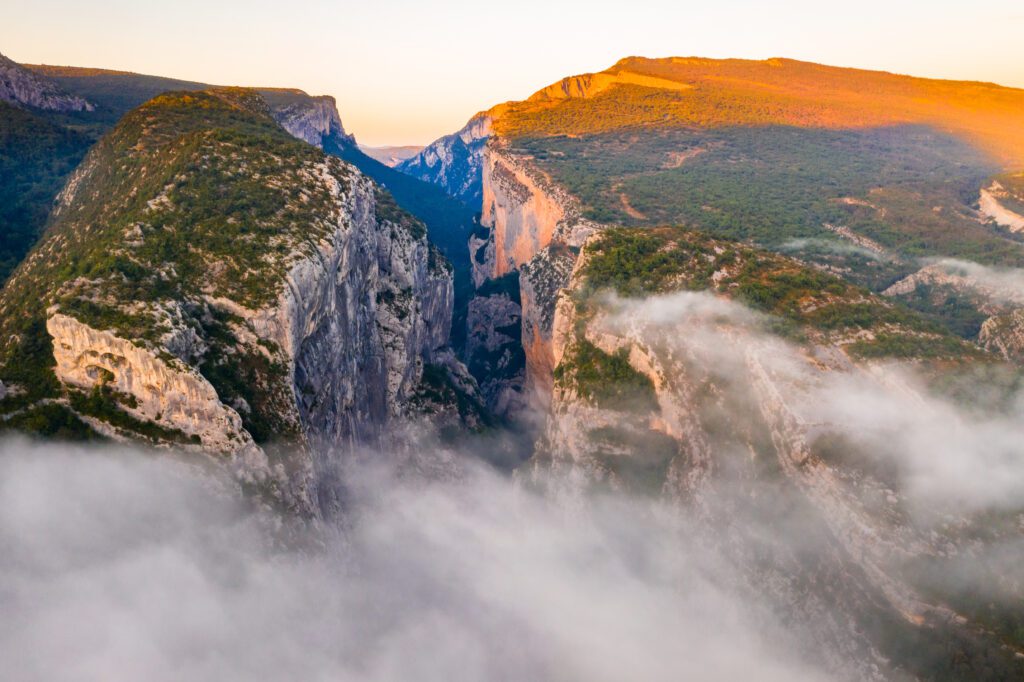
{"x":118,"y":565}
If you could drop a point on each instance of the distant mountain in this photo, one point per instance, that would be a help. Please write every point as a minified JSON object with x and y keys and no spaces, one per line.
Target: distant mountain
{"x":454,"y":161}
{"x":113,"y":93}
{"x":21,"y":87}
{"x":391,"y":156}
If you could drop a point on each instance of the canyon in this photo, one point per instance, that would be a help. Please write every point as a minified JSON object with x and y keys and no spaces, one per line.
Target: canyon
{"x":682,"y":281}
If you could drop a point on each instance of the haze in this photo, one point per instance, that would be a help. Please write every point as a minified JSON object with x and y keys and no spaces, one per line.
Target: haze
{"x":407,"y":72}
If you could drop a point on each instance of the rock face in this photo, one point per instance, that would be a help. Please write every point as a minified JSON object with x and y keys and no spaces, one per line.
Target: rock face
{"x":21,"y":87}
{"x":535,"y":228}
{"x":1004,"y":334}
{"x":541,"y":280}
{"x":454,"y":162}
{"x":521,"y":210}
{"x":357,"y":320}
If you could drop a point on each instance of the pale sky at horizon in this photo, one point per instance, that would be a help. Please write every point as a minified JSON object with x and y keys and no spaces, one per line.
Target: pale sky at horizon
{"x":407,"y":72}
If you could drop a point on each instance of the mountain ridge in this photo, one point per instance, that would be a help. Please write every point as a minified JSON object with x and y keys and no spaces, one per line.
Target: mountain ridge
{"x":194,"y":287}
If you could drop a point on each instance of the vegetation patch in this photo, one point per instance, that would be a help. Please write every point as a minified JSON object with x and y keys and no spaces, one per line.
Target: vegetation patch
{"x":606,"y":380}
{"x":51,"y":421}
{"x":915,"y":346}
{"x":36,"y":156}
{"x":910,"y":188}
{"x":800,"y":300}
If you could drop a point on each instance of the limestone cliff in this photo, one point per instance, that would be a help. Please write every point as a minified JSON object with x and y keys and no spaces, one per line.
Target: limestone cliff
{"x":165,"y":392}
{"x":535,"y":228}
{"x":22,"y":87}
{"x":310,"y":119}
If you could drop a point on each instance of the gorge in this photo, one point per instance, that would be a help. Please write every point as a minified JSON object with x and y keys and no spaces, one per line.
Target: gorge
{"x":744,"y":335}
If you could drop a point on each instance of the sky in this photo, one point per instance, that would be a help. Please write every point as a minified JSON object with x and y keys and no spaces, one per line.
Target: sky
{"x":408,"y":71}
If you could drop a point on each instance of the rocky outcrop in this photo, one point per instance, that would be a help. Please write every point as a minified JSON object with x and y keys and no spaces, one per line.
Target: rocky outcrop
{"x":22,"y":87}
{"x":454,"y":162}
{"x":592,"y":84}
{"x":994,"y":293}
{"x":310,"y":119}
{"x":1003,"y":334}
{"x":163,"y":391}
{"x":991,"y":208}
{"x":991,"y":290}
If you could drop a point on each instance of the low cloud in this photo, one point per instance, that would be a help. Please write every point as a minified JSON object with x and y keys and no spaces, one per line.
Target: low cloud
{"x":119,"y":565}
{"x":948,"y":455}
{"x":123,"y":565}
{"x":1002,"y":285}
{"x":833,"y":246}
